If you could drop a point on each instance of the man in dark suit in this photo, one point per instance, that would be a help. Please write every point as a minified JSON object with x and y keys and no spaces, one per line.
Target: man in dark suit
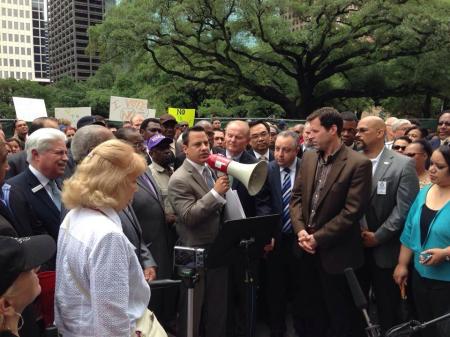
{"x":34,"y":195}
{"x":18,"y":161}
{"x":197,"y":199}
{"x":283,"y":268}
{"x":329,"y":198}
{"x":394,"y":188}
{"x":260,"y":140}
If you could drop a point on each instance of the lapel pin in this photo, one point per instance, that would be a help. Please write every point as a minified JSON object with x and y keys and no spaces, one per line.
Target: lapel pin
{"x":37,"y":188}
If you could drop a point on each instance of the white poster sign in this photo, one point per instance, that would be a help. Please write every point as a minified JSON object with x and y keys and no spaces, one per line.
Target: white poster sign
{"x":72,"y":114}
{"x":123,"y":108}
{"x":28,"y":109}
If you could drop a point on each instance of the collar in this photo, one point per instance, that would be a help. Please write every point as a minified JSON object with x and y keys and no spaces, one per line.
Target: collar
{"x":266,"y":155}
{"x":331,"y":157}
{"x":235,"y":158}
{"x":42,"y":179}
{"x":377,"y":158}
{"x":293,"y":166}
{"x":198,"y":167}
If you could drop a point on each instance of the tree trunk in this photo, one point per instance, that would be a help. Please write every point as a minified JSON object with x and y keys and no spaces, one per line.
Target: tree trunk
{"x":426,"y":107}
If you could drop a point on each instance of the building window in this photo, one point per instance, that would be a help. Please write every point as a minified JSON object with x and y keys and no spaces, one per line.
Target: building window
{"x":28,"y":51}
{"x":17,"y":63}
{"x":11,"y":62}
{"x":30,"y":76}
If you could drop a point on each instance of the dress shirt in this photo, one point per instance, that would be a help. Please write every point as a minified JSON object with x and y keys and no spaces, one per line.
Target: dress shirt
{"x":375,"y":162}
{"x":235,"y":158}
{"x":258,"y":156}
{"x":200,"y":169}
{"x":43,"y":180}
{"x":292,"y":169}
{"x":388,"y":144}
{"x":100,"y":286}
{"x":324,"y":166}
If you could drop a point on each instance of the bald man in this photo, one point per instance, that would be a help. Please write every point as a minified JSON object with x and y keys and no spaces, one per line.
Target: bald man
{"x":394,"y":187}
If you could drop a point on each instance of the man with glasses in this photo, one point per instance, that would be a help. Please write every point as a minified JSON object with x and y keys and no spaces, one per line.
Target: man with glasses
{"x":443,"y":128}
{"x":394,"y":187}
{"x":260,"y":140}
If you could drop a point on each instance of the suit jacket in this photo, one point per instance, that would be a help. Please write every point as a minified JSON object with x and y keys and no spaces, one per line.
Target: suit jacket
{"x":149,"y":209}
{"x":199,"y":212}
{"x":6,"y":221}
{"x":342,"y":203}
{"x":132,"y":230}
{"x":17,"y":163}
{"x":387,"y":212}
{"x":34,"y":212}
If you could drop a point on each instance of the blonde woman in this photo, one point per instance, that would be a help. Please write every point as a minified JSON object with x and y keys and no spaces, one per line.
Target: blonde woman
{"x":100,"y":287}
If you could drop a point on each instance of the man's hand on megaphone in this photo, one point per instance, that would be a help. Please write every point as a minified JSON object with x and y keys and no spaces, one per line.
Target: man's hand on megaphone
{"x":222,"y":185}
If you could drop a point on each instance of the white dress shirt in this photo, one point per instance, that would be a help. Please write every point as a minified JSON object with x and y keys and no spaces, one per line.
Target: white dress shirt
{"x":375,"y":162}
{"x":100,"y":286}
{"x":43,"y":180}
{"x":292,"y":169}
{"x":258,"y":155}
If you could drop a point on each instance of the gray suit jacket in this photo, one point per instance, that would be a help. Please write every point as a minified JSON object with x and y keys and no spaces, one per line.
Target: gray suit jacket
{"x":149,"y":210}
{"x":387,"y":213}
{"x":198,"y":211}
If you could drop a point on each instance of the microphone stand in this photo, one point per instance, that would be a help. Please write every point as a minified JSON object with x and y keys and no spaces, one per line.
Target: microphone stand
{"x":413,"y":326}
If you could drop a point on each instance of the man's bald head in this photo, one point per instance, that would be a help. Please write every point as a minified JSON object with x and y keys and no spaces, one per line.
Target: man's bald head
{"x":370,"y":134}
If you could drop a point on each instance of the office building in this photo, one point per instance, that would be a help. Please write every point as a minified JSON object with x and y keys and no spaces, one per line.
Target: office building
{"x":69,"y":21}
{"x":23,"y":40}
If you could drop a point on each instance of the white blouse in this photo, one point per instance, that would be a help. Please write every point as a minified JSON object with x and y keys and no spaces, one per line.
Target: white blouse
{"x":100,"y":286}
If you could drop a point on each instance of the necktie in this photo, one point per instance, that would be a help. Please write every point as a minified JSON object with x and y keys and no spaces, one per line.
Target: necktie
{"x":286,"y":198}
{"x":56,"y":193}
{"x":207,"y":176}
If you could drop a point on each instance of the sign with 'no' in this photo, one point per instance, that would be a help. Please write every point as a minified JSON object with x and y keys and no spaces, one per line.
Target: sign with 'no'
{"x":183,"y":115}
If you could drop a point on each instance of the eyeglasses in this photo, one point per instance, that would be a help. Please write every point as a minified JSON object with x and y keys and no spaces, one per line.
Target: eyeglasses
{"x":412,"y":154}
{"x":398,"y":147}
{"x":444,"y":123}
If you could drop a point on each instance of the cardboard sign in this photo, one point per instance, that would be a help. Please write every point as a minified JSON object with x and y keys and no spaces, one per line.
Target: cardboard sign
{"x":123,"y":108}
{"x":28,"y":109}
{"x":72,"y":114}
{"x":183,"y":115}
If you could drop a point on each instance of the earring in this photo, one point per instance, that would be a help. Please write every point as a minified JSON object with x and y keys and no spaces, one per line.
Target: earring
{"x":21,"y":321}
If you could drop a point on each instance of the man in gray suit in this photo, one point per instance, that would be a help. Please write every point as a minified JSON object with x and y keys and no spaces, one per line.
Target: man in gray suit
{"x":197,"y":199}
{"x":394,"y":187}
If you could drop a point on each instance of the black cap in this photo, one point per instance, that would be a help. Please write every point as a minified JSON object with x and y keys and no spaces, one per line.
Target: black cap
{"x":89,"y":120}
{"x":22,"y":254}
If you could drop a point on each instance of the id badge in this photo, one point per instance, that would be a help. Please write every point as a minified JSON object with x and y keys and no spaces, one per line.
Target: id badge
{"x":381,"y":188}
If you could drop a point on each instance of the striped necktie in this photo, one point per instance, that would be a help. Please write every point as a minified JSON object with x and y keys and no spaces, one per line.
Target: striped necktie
{"x":56,"y":194}
{"x":286,"y":198}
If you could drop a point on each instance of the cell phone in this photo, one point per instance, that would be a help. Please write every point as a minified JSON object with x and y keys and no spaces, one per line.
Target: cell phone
{"x":424,"y":257}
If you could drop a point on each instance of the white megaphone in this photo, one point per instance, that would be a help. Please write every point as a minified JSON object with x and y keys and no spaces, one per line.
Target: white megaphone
{"x":252,"y":176}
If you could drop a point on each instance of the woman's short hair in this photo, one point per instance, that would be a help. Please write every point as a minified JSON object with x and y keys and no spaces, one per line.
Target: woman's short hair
{"x":41,"y":140}
{"x":101,"y":179}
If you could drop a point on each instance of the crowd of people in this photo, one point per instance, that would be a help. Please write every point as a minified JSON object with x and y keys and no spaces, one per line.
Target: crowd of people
{"x":368,"y":194}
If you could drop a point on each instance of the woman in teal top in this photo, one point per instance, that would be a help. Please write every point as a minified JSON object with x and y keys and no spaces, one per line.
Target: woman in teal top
{"x":426,"y":239}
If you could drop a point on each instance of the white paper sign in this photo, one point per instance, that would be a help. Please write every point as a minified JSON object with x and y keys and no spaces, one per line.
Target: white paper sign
{"x":233,"y":207}
{"x":72,"y":114}
{"x":123,"y":108}
{"x":28,"y":109}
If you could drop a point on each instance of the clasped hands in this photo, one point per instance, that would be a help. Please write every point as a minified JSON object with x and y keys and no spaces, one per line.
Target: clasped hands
{"x":307,"y":242}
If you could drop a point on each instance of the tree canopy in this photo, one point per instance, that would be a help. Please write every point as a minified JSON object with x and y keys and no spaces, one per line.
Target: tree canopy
{"x":295,"y":54}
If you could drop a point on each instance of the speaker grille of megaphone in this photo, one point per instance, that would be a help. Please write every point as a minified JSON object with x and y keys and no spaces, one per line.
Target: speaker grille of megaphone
{"x":252,"y":176}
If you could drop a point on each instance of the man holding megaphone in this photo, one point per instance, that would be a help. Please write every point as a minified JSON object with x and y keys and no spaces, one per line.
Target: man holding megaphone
{"x":197,"y":197}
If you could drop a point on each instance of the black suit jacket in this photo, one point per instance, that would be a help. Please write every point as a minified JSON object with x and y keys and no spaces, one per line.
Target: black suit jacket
{"x":34,"y":212}
{"x":149,"y":209}
{"x":132,"y":230}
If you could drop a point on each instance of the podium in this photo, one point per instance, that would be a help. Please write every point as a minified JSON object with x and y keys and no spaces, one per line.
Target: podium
{"x":244,"y":240}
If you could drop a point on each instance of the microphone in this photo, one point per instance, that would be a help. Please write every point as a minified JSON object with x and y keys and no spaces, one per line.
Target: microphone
{"x":357,"y":294}
{"x":361,"y":302}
